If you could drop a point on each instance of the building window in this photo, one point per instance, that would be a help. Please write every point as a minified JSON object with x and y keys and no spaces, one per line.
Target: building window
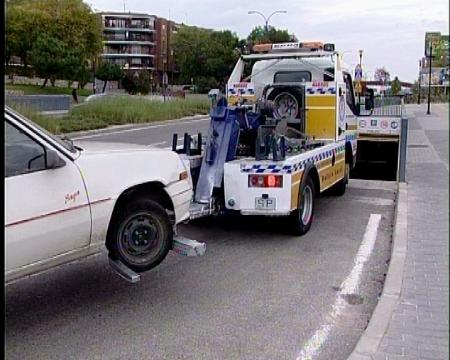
{"x":136,"y":49}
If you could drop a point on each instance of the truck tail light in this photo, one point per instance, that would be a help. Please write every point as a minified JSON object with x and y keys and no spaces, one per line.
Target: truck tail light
{"x":265,"y":181}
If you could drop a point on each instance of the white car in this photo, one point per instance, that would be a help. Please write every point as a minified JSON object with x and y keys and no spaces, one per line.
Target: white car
{"x":65,"y":202}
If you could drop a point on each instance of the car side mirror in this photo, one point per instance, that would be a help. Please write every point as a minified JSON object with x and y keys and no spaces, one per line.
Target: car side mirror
{"x":52,"y":160}
{"x":369,"y":100}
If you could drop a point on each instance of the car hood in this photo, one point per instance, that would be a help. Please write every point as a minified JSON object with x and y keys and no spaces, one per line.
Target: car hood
{"x":99,"y":147}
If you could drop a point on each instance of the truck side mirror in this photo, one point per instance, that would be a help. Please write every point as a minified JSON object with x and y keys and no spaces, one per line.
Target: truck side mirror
{"x":369,"y":100}
{"x":52,"y":160}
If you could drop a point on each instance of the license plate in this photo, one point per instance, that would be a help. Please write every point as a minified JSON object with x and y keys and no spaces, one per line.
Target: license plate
{"x":265,"y":203}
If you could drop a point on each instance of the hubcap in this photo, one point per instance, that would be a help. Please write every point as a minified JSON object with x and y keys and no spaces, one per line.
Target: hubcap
{"x":285,"y":105}
{"x":140,"y":237}
{"x":307,"y":203}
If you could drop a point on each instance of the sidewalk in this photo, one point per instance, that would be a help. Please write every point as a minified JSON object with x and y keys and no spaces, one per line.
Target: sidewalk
{"x":418,"y":327}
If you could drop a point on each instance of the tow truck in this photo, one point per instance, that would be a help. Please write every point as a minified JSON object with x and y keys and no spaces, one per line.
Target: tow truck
{"x":278,"y":137}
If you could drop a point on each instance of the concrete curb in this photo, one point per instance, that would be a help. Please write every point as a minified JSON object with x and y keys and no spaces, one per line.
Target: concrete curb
{"x":371,"y":338}
{"x":118,"y":128}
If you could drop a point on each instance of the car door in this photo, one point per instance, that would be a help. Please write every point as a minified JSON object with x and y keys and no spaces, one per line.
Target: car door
{"x":46,"y":210}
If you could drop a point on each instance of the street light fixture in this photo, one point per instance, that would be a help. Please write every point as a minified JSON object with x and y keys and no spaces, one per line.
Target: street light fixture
{"x":266,"y":19}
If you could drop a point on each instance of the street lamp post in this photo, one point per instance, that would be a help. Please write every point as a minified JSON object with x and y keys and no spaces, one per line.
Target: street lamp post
{"x":360,"y":66}
{"x":420,"y":77}
{"x":266,"y":20}
{"x":429,"y":79}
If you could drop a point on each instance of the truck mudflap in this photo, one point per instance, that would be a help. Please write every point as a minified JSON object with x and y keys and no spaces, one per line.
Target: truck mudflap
{"x":181,"y":245}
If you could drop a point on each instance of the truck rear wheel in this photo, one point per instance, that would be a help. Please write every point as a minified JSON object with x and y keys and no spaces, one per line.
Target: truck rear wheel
{"x":301,"y":218}
{"x":141,"y":235}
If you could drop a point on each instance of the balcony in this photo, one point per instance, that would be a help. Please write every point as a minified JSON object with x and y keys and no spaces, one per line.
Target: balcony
{"x":128,"y":42}
{"x":128,"y":38}
{"x":112,"y":50}
{"x":133,"y":64}
{"x":113,"y":24}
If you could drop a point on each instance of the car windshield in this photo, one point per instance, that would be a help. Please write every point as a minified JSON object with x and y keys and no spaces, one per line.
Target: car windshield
{"x":64,"y":141}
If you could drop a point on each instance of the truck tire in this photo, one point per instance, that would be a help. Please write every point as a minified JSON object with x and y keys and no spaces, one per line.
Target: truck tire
{"x":301,"y":218}
{"x":339,"y":188}
{"x":141,"y":235}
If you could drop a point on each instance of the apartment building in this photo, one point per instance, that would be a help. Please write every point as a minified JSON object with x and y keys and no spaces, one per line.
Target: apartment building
{"x":140,"y":41}
{"x":164,"y":52}
{"x":129,"y":40}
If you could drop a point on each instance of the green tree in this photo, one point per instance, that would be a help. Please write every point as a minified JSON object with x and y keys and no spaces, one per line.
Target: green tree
{"x":109,"y":72}
{"x":396,"y":86}
{"x":136,"y":82}
{"x":206,"y":56}
{"x":70,"y":24}
{"x":259,"y":35}
{"x":48,"y":56}
{"x":22,"y":26}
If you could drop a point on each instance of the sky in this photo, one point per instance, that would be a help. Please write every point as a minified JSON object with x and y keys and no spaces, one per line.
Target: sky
{"x":391,"y":33}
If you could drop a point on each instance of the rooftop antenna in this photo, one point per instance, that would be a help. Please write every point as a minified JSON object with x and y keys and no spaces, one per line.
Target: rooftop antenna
{"x":124,"y":6}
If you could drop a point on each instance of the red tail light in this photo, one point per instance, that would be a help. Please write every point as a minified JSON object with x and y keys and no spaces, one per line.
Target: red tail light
{"x":266,"y":181}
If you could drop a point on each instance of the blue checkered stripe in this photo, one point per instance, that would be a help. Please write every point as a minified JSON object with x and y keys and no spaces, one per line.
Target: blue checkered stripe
{"x":289,"y":169}
{"x":242,"y":91}
{"x":350,"y":137}
{"x":321,"y":90}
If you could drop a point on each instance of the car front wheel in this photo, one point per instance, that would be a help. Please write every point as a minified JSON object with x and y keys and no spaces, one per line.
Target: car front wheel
{"x":141,"y":236}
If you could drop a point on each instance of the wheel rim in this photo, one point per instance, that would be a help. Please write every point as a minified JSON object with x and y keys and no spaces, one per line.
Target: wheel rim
{"x":307,"y":204}
{"x":140,"y":237}
{"x":285,"y":104}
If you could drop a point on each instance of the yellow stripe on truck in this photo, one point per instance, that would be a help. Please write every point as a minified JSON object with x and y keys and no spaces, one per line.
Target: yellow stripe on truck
{"x":296,"y":179}
{"x":329,"y":176}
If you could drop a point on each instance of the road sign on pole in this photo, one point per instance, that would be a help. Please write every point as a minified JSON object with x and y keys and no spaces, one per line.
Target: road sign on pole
{"x":358,"y":72}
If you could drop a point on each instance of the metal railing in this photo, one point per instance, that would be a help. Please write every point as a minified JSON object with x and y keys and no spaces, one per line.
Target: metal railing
{"x":386,"y":106}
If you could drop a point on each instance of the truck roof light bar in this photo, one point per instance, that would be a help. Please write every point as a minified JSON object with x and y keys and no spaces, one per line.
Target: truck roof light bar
{"x":305,"y":46}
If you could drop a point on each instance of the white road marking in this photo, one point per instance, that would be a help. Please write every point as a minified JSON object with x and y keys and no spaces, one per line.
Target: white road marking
{"x":169,"y":123}
{"x":374,"y":201}
{"x":372,"y":184}
{"x":349,"y":286}
{"x":158,"y":143}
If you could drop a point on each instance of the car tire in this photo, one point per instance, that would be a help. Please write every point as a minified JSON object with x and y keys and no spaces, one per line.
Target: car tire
{"x":141,"y":235}
{"x":301,"y":218}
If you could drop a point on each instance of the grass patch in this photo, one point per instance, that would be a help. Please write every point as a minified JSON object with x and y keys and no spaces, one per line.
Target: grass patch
{"x":51,"y":124}
{"x":117,"y":110}
{"x":48,"y":90}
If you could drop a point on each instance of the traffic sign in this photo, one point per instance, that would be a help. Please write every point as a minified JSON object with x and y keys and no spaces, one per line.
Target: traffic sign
{"x":358,"y":72}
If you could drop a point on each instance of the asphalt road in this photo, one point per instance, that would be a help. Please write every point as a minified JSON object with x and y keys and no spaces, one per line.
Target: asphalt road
{"x":258,"y":293}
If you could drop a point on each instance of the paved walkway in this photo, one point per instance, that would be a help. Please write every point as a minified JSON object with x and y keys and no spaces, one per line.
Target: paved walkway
{"x":419,"y":326}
